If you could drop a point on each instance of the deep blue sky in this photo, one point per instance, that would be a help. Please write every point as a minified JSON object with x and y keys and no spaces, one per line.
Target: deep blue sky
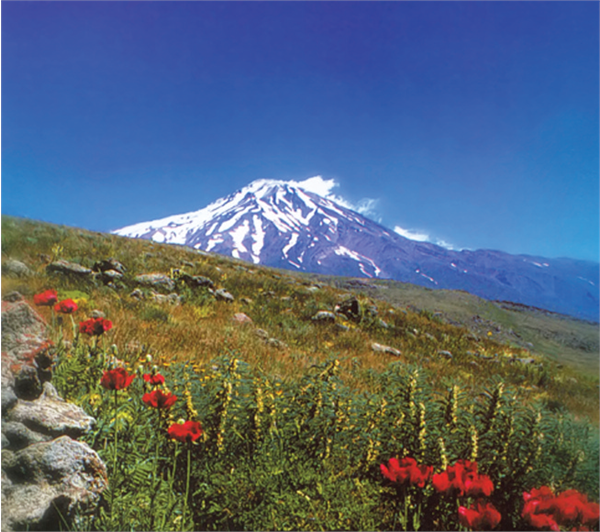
{"x":474,"y":122}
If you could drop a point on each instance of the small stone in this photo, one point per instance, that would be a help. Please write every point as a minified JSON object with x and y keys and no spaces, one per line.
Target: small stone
{"x":15,"y":268}
{"x":383,"y":324}
{"x":246,"y":301}
{"x":137,"y":294}
{"x":378,"y":348}
{"x":109,"y":265}
{"x":241,"y":318}
{"x":13,"y":297}
{"x":110,"y":276}
{"x":223,"y":295}
{"x":273,"y":342}
{"x":445,"y":354}
{"x":196,"y":281}
{"x":171,"y":299}
{"x":324,"y":316}
{"x":156,"y":280}
{"x":262,"y":334}
{"x":349,"y":308}
{"x":68,"y":268}
{"x":97,"y":314}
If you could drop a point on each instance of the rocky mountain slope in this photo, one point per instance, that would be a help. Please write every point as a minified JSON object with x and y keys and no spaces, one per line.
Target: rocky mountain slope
{"x":276,"y":223}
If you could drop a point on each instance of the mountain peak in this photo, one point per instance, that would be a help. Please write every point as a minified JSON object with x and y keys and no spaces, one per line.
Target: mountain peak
{"x":299,"y":225}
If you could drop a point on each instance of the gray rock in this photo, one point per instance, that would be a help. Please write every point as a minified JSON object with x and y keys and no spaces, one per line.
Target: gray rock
{"x":278,"y":344}
{"x":13,"y":297}
{"x":171,"y":299}
{"x":137,"y":294}
{"x":378,"y":348}
{"x":49,"y":482}
{"x":350,"y":308}
{"x":52,"y":415}
{"x":262,"y":334}
{"x":15,"y":268}
{"x":382,"y":324}
{"x":23,"y":333}
{"x":196,"y":281}
{"x":19,"y":436}
{"x":525,"y":361}
{"x":223,"y":295}
{"x":27,"y":384}
{"x":324,"y":316}
{"x":242,"y":318}
{"x":109,"y":265}
{"x":110,"y":276}
{"x":68,"y":268}
{"x":156,"y":280}
{"x":97,"y":314}
{"x":445,"y":354}
{"x":246,"y":301}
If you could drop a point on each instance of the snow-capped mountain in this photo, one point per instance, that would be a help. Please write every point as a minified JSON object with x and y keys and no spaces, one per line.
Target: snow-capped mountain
{"x":282,"y":224}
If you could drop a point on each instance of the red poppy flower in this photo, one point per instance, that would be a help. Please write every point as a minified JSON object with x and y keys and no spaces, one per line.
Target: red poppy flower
{"x":188,"y":431}
{"x":478,"y":485}
{"x":406,"y":470}
{"x":66,"y":306}
{"x":158,"y":399}
{"x":155,"y":379}
{"x":463,"y":478}
{"x":116,"y":379}
{"x":481,"y":516}
{"x":46,"y":299}
{"x":95,"y":326}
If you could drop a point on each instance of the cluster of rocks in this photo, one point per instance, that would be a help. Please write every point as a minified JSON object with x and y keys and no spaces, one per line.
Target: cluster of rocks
{"x":48,"y":477}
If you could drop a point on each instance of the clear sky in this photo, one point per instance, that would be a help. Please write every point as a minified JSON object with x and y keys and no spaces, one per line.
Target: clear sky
{"x":475,"y":123}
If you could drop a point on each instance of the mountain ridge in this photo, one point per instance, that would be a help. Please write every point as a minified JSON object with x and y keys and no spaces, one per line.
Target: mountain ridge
{"x":280,"y":224}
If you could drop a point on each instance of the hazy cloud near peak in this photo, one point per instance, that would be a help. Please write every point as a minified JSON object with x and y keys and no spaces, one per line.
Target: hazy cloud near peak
{"x":420,"y":236}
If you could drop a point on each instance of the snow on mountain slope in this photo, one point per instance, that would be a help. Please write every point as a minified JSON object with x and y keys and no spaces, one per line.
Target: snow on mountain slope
{"x":301,"y":226}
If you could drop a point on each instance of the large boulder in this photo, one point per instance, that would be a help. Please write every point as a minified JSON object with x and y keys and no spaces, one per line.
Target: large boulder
{"x":48,"y":478}
{"x":48,"y":484}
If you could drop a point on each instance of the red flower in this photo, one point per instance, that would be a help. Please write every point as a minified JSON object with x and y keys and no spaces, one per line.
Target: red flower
{"x":66,"y":306}
{"x":407,"y":469}
{"x":95,"y":326}
{"x":188,"y":431}
{"x":481,"y":516}
{"x":478,"y":485}
{"x":116,"y":379}
{"x":158,"y":399}
{"x":46,"y":299}
{"x":463,"y":478}
{"x":155,"y":379}
{"x":544,"y":510}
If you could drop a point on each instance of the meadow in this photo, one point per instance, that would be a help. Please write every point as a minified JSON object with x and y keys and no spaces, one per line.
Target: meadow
{"x":284,"y":422}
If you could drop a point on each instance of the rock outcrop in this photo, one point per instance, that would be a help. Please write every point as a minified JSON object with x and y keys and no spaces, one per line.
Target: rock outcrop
{"x":48,"y":478}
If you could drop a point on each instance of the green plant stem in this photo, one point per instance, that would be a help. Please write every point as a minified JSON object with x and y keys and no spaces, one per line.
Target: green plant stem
{"x":114,"y":470}
{"x":187,"y":485}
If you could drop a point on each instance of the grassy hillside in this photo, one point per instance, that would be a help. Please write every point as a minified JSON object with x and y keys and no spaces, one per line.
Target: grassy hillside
{"x":303,"y":411}
{"x":420,"y":322}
